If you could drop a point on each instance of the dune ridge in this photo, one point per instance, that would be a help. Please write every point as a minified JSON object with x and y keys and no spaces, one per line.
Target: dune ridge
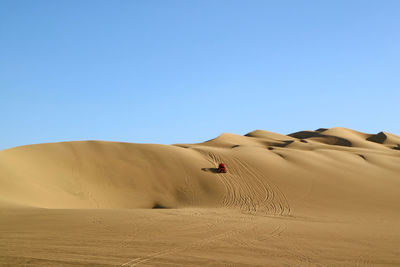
{"x":99,"y":174}
{"x":328,"y":197}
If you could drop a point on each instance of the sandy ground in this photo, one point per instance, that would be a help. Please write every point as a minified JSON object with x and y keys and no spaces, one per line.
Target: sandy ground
{"x":329,"y":197}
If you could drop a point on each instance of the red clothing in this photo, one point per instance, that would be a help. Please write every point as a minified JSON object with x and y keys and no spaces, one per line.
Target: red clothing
{"x":222,"y":168}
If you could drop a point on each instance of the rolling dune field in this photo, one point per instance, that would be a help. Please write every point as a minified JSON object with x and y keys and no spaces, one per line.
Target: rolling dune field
{"x":329,"y":197}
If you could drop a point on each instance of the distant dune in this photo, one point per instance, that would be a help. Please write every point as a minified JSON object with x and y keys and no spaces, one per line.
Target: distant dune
{"x":322,"y":175}
{"x":267,"y":171}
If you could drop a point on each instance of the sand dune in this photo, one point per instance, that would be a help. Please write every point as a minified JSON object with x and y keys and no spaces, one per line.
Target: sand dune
{"x":325,"y":189}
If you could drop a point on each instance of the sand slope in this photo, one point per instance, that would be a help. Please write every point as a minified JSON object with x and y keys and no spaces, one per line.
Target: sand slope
{"x":330,"y":188}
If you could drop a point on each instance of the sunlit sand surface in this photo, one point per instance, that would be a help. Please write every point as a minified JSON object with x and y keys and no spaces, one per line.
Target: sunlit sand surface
{"x":329,"y":197}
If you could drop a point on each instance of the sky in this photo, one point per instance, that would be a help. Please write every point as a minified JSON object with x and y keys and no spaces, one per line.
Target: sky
{"x":186,"y":71}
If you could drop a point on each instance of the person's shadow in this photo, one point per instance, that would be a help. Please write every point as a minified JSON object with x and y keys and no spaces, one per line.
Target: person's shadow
{"x":213,"y":170}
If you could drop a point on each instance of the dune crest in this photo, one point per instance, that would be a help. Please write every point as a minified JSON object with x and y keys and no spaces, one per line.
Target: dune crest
{"x":328,"y":197}
{"x":267,"y":172}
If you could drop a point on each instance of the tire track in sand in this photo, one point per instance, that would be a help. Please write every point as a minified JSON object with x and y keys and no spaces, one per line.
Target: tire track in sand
{"x":242,"y":226}
{"x":248,"y":188}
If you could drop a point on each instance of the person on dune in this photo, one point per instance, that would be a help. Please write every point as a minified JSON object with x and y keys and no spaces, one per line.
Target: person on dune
{"x":222,"y":168}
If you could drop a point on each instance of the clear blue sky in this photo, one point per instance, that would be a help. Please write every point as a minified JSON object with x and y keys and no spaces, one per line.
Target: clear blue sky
{"x":185,"y":71}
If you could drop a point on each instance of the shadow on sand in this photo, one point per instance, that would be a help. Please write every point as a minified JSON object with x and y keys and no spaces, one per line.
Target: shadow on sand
{"x":213,"y":170}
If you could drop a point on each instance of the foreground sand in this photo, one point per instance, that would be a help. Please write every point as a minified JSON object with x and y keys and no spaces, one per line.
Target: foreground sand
{"x":326,"y":197}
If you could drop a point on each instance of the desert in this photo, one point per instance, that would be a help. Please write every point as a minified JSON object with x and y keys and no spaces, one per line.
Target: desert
{"x":325,"y":197}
